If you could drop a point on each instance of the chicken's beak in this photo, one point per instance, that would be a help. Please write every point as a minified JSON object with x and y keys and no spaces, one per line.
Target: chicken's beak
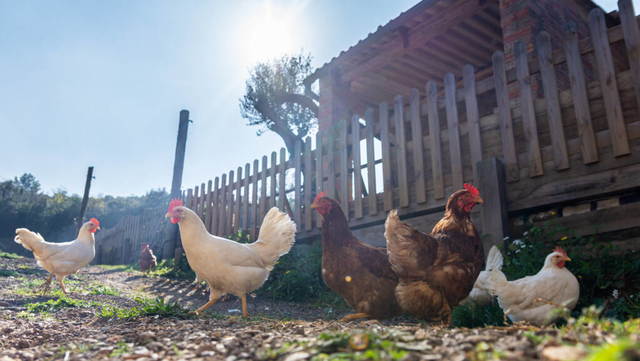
{"x":314,"y":206}
{"x":98,"y":228}
{"x":567,"y":259}
{"x":167,"y":215}
{"x":479,"y":200}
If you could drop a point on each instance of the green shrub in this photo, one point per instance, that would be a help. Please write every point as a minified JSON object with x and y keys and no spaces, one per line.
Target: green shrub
{"x":9,"y":255}
{"x":607,"y":276}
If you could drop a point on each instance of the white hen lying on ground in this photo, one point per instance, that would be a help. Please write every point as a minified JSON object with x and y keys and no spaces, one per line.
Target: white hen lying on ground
{"x":480,"y":294}
{"x":229,"y":266}
{"x":533,"y":298}
{"x":61,"y":259}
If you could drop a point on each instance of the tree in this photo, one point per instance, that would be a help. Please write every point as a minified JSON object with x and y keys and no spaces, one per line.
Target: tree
{"x":275,"y":99}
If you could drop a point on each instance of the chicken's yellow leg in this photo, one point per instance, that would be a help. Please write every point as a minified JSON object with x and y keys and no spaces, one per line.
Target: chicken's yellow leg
{"x":47,"y":284}
{"x":201,"y":309}
{"x":354,"y":316}
{"x":244,"y":306}
{"x":62,"y":285}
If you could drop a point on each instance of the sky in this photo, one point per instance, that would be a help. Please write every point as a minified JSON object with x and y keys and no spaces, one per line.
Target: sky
{"x":101,"y":83}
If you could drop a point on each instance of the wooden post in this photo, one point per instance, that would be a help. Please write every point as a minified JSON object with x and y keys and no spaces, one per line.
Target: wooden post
{"x":85,"y":200}
{"x":492,"y":187}
{"x":171,"y":230}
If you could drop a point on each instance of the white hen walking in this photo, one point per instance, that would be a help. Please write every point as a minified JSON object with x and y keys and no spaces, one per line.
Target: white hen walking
{"x":533,"y":298}
{"x":228,"y":266}
{"x":61,"y":259}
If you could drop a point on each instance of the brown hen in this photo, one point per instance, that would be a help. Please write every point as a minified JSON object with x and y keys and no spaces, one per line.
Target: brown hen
{"x":436,"y":270}
{"x":358,"y":272}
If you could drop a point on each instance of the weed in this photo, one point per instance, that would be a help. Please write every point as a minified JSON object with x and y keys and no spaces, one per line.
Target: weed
{"x":122,"y":348}
{"x":120,"y":267}
{"x":10,"y":255}
{"x":147,"y":307}
{"x":60,"y":303}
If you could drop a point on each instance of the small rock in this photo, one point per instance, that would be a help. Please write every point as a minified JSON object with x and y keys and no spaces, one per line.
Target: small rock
{"x":295,"y":356}
{"x":204,"y":348}
{"x":145,"y":337}
{"x":26,"y":355}
{"x":24,"y":344}
{"x":561,"y":353}
{"x":4,"y":304}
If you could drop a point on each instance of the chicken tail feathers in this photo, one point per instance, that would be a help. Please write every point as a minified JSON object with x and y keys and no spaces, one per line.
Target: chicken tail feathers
{"x":29,"y":240}
{"x":277,"y":235}
{"x":403,"y":244}
{"x":495,"y":259}
{"x":496,"y":280}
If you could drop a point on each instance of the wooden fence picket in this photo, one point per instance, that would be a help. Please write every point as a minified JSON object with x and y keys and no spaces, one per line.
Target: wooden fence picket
{"x":357,"y":164}
{"x":434,"y":140}
{"x":418,"y":149}
{"x":453,"y":130}
{"x":504,"y":114}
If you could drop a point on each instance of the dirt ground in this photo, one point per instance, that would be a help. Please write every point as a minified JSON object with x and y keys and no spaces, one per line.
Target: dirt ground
{"x":276,"y":330}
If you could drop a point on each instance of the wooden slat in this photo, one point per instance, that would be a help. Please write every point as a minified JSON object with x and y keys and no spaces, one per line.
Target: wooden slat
{"x":473,"y":118}
{"x":222,"y":211}
{"x":331,"y":164}
{"x":606,"y":74}
{"x":308,"y":185}
{"x":263,"y":202}
{"x":528,"y":112}
{"x":207,"y":220}
{"x":401,"y":151}
{"x":245,"y":198}
{"x":215,"y":206}
{"x":281,"y":179}
{"x":504,"y":114}
{"x":434,"y":140}
{"x":386,"y":157}
{"x":453,"y":130}
{"x":357,"y":164}
{"x":632,"y":42}
{"x":418,"y":150}
{"x":272,"y":180}
{"x":319,"y":177}
{"x":230,"y":203}
{"x":201,"y":201}
{"x":579,"y":95}
{"x":238,"y":204}
{"x":193,"y":200}
{"x":344,"y":167}
{"x":371,"y":165}
{"x":550,"y":87}
{"x":254,"y":201}
{"x":297,"y":159}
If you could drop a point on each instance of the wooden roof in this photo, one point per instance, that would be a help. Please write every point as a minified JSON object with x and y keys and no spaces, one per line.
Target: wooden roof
{"x":431,"y":39}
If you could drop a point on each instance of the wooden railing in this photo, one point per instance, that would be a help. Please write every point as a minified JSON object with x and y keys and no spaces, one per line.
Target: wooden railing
{"x":571,"y":144}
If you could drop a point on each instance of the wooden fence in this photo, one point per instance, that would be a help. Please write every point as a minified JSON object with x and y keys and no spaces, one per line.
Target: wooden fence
{"x":121,"y":244}
{"x":566,"y":146}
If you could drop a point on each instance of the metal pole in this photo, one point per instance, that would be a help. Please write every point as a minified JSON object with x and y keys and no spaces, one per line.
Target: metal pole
{"x":85,"y":200}
{"x":171,"y":230}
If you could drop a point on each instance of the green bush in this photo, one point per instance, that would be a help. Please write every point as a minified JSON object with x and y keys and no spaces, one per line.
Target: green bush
{"x":608,"y":277}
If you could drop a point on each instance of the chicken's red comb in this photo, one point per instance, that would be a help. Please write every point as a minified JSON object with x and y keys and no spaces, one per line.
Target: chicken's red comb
{"x":560,"y":250}
{"x":176,"y":202}
{"x":471,"y":189}
{"x":318,"y":196}
{"x":95,"y":221}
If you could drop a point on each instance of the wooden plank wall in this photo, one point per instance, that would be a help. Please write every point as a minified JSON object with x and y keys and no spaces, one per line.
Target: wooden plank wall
{"x":561,"y":147}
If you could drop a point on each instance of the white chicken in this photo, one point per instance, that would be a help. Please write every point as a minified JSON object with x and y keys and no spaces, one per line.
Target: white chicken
{"x":228,"y":266}
{"x":480,"y":294}
{"x":533,"y":298}
{"x":61,"y":259}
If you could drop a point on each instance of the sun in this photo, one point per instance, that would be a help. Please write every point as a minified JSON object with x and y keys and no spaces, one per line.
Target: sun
{"x":270,"y":33}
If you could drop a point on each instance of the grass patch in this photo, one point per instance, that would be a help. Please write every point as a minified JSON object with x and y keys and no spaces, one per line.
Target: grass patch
{"x":8,"y":273}
{"x":10,"y":255}
{"x":99,"y":289}
{"x":55,"y":305}
{"x":147,"y":307}
{"x":120,"y":267}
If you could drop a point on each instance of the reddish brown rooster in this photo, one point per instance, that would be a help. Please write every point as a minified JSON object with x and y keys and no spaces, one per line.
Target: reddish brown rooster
{"x":437,"y":270}
{"x":147,"y":259}
{"x":358,"y":272}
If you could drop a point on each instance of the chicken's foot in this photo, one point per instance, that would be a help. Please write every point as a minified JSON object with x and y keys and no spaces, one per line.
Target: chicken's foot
{"x":201,"y":309}
{"x":244,"y":306}
{"x":47,"y":284}
{"x":354,"y":316}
